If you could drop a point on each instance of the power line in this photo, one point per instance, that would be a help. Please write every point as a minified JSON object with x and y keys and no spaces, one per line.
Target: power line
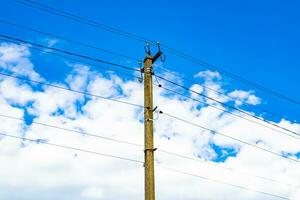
{"x":69,"y":53}
{"x":230,"y":137}
{"x":172,"y":82}
{"x":139,"y":145}
{"x":173,"y":51}
{"x":138,"y":161}
{"x":231,"y":75}
{"x":221,"y":182}
{"x":226,"y":95}
{"x":226,"y":111}
{"x":74,"y":59}
{"x":224,"y":104}
{"x":77,"y":18}
{"x":7,"y":37}
{"x":73,"y":148}
{"x":71,"y":90}
{"x":50,"y":85}
{"x":74,"y":131}
{"x":69,"y":40}
{"x":227,"y":168}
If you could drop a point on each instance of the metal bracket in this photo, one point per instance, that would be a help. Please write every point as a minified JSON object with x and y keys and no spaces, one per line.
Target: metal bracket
{"x":141,"y":71}
{"x":154,"y":149}
{"x":147,"y":48}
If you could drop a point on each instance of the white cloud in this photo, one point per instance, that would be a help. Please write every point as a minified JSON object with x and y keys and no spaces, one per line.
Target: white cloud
{"x":241,"y":97}
{"x":39,"y":171}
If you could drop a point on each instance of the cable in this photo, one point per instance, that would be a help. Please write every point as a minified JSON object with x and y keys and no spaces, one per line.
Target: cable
{"x":228,"y":168}
{"x":69,"y":40}
{"x":68,"y":52}
{"x":7,"y":37}
{"x":221,"y":182}
{"x":139,"y":145}
{"x":224,"y":104}
{"x":77,"y":18}
{"x":136,"y":161}
{"x":226,"y":111}
{"x":71,"y":90}
{"x":74,"y":131}
{"x":173,"y":51}
{"x":232,"y":107}
{"x":76,"y":60}
{"x":73,"y":148}
{"x":265,"y":111}
{"x":231,"y":75}
{"x":230,"y":137}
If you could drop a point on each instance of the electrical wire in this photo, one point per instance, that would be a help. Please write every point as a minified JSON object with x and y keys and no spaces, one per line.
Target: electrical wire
{"x":221,"y":182}
{"x":139,"y":145}
{"x":227,"y":168}
{"x":76,"y":60}
{"x":162,"y":78}
{"x":72,"y":148}
{"x":77,"y":18}
{"x":68,"y":52}
{"x":229,"y":106}
{"x":69,"y":40}
{"x":265,"y":111}
{"x":173,"y":51}
{"x":71,"y":90}
{"x":73,"y":131}
{"x":226,"y":111}
{"x":138,"y":161}
{"x":230,"y":137}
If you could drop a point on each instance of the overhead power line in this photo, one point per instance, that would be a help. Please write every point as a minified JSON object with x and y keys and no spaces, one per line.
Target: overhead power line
{"x":227,"y":105}
{"x":52,"y":52}
{"x":172,"y":82}
{"x":140,"y":145}
{"x":221,"y":182}
{"x":265,"y":111}
{"x":71,"y":90}
{"x":173,"y":51}
{"x":68,"y":52}
{"x":230,"y":137}
{"x":229,"y":112}
{"x":73,"y":131}
{"x":138,"y":161}
{"x":69,"y":40}
{"x":72,"y":148}
{"x":77,"y":18}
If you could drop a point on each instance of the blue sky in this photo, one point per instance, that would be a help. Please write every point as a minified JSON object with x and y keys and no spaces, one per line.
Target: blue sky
{"x":256,"y":40}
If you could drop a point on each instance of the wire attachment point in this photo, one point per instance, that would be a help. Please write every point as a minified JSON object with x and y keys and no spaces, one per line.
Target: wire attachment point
{"x":141,"y":71}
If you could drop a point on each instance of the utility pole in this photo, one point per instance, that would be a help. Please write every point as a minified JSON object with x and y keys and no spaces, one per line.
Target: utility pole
{"x":148,"y":125}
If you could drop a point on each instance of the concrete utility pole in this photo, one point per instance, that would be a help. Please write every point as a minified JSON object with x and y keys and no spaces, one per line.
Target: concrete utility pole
{"x":148,"y":123}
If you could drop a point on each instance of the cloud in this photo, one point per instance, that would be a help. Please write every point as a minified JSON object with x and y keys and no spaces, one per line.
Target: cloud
{"x":241,"y":97}
{"x":39,"y":171}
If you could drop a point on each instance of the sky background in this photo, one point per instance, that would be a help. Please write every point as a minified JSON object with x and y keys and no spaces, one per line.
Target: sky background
{"x":253,"y":39}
